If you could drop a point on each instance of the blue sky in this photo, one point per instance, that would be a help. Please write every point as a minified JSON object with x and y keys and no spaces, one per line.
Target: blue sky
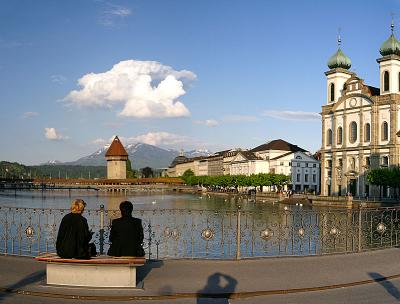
{"x":178,"y":74}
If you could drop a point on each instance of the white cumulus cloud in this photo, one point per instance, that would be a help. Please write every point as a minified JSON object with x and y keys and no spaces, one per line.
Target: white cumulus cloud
{"x":52,"y":134}
{"x":144,"y":89}
{"x":159,"y":138}
{"x":292,"y":115}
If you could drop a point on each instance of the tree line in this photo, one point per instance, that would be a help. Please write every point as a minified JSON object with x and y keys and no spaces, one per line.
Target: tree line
{"x":385,"y":177}
{"x":236,"y":181}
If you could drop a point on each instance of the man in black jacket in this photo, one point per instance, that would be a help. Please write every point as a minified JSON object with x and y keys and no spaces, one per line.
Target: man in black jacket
{"x":126,"y":234}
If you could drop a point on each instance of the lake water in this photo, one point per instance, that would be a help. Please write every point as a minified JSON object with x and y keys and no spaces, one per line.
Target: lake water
{"x":197,"y":226}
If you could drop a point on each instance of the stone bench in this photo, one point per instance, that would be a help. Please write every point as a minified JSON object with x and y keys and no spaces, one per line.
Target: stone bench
{"x":100,"y":271}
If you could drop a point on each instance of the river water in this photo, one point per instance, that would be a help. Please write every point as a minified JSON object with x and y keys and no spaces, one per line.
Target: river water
{"x":178,"y":225}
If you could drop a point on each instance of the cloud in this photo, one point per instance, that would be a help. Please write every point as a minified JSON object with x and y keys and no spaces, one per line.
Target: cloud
{"x":100,"y":141}
{"x":207,"y":122}
{"x":29,"y":115}
{"x":239,"y":118}
{"x":60,"y":79}
{"x":293,"y":115}
{"x":144,"y":89}
{"x":159,"y":138}
{"x":113,"y":14}
{"x":52,"y":134}
{"x":151,"y":138}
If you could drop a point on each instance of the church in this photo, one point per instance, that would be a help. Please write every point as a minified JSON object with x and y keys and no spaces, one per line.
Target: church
{"x":360,"y":123}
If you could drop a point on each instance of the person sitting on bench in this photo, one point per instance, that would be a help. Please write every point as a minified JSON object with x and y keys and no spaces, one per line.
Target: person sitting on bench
{"x":126,"y":234}
{"x":74,"y":235}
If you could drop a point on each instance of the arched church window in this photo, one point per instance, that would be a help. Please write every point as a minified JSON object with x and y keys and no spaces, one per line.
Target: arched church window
{"x":353,"y":132}
{"x":385,"y":131}
{"x":367,"y":131}
{"x":385,"y":81}
{"x":329,"y":137}
{"x":339,"y":136}
{"x":332,"y":92}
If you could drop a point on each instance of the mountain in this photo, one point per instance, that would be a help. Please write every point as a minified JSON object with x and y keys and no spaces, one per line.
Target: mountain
{"x":141,"y":155}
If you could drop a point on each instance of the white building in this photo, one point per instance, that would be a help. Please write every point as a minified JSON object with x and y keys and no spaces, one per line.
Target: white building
{"x":360,"y":123}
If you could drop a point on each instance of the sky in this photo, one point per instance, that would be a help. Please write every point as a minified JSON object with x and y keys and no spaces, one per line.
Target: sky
{"x":178,"y":74}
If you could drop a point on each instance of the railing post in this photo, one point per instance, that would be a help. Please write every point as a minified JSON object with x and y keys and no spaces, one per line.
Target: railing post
{"x":101,"y":238}
{"x":238,"y":236}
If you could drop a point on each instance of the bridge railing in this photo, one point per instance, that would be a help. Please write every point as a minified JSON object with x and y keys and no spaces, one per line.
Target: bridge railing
{"x":219,"y":234}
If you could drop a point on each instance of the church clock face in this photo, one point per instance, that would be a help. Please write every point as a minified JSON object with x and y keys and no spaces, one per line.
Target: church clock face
{"x":353,"y":102}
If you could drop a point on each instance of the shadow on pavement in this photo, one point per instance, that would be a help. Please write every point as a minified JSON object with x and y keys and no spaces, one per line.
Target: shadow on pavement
{"x":32,"y":278}
{"x":390,"y":288}
{"x":143,"y":271}
{"x":216,"y":291}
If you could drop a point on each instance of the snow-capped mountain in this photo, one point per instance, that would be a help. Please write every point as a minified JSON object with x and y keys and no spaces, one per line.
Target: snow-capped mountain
{"x":141,"y":155}
{"x":52,"y":162}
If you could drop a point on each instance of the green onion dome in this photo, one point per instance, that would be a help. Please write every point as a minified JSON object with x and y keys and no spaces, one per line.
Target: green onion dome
{"x":390,"y":46}
{"x":339,"y":60}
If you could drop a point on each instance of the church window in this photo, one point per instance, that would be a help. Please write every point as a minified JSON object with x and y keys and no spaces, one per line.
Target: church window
{"x":332,"y":92}
{"x":353,"y":132}
{"x":385,"y":81}
{"x":329,"y":137}
{"x":385,"y":131}
{"x":339,"y":136}
{"x":367,"y":161}
{"x":367,"y":131}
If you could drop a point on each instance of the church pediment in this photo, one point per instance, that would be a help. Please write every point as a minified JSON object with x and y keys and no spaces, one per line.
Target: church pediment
{"x":352,"y":101}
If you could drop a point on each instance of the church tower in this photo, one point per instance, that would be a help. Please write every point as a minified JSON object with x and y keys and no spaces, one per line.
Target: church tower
{"x":389,"y":65}
{"x":116,"y":157}
{"x":339,"y":65}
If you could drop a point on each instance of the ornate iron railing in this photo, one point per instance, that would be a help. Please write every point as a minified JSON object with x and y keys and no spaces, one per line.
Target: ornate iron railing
{"x":221,"y":234}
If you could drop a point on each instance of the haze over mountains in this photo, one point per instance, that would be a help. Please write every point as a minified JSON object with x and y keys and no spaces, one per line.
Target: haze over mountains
{"x":141,"y":155}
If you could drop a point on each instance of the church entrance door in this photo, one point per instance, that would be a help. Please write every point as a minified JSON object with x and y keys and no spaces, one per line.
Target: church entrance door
{"x":353,"y":187}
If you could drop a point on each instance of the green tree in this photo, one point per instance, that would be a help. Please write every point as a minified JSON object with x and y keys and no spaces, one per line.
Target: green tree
{"x":129,"y":172}
{"x":147,"y":172}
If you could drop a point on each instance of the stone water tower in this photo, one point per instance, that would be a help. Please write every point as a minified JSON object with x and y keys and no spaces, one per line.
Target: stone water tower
{"x":116,"y":157}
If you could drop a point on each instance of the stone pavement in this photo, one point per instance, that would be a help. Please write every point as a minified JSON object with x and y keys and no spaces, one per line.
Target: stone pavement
{"x":364,"y":277}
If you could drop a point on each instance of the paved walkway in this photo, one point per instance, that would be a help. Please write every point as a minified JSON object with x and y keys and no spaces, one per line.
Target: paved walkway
{"x":269,"y":280}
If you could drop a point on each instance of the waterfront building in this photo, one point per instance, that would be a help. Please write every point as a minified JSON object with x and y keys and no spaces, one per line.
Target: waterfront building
{"x":288,"y":159}
{"x":276,"y":156}
{"x":116,"y":157}
{"x":360,"y":123}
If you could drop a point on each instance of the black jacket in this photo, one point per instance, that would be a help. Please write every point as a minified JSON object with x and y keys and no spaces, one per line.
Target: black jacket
{"x":126,"y":237}
{"x":73,"y":237}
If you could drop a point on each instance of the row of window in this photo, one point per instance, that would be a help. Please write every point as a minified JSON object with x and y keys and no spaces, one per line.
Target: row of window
{"x":353,"y":133}
{"x":352,"y":162}
{"x":306,"y":177}
{"x":298,"y":165}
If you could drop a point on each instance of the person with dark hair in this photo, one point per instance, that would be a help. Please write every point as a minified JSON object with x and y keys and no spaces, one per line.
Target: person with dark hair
{"x":73,"y":235}
{"x":126,"y":236}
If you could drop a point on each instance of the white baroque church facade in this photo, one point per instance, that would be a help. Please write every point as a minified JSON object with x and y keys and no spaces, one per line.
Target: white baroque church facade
{"x":360,"y":123}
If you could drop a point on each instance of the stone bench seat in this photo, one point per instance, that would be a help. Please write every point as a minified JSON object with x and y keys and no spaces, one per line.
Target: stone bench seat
{"x":100,"y":271}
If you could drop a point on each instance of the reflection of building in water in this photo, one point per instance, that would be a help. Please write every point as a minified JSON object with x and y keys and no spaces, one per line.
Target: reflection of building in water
{"x":116,"y":157}
{"x":360,"y":123}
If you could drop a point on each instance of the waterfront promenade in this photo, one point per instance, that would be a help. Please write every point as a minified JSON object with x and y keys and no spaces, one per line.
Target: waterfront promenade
{"x":369,"y":277}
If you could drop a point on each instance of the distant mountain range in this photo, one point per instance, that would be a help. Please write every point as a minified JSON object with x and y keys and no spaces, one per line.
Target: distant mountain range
{"x":141,"y":155}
